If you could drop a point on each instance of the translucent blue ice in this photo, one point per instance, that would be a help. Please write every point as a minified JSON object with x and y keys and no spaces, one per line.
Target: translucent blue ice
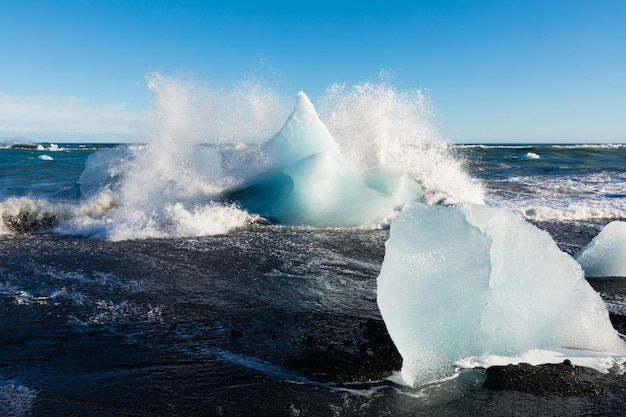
{"x":310,"y":183}
{"x":605,"y":255}
{"x":476,"y":280}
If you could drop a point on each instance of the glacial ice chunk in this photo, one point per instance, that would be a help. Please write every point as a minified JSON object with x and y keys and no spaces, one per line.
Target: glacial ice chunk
{"x":310,"y":183}
{"x":474,"y":280}
{"x":302,"y":135}
{"x":605,"y":255}
{"x":101,"y":168}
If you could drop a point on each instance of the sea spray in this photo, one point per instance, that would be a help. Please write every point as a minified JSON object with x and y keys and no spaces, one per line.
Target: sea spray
{"x":193,"y":111}
{"x":173,"y":184}
{"x":387,"y":155}
{"x":310,"y":183}
{"x":375,"y":123}
{"x":27,"y":214}
{"x":202,"y":155}
{"x":298,"y":176}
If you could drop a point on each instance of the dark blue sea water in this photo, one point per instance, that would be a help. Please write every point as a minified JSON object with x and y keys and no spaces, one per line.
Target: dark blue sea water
{"x":42,"y":170}
{"x":542,"y":182}
{"x":131,"y":314}
{"x":553,"y":182}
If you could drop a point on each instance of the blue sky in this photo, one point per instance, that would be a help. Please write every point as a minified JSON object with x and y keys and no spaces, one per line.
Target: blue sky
{"x":495,"y":71}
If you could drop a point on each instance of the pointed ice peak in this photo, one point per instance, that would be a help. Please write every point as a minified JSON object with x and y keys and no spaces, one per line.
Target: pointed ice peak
{"x":304,"y":108}
{"x":303,"y":103}
{"x":302,"y":135}
{"x":604,"y":255}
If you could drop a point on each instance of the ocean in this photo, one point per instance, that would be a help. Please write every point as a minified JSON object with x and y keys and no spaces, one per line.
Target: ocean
{"x":184,"y":278}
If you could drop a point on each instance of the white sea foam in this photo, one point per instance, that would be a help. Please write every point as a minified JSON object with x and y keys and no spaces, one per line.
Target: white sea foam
{"x":575,"y":198}
{"x":561,"y":146}
{"x":378,"y":124}
{"x":592,"y":146}
{"x":561,"y":210}
{"x":599,"y":361}
{"x":25,"y":214}
{"x":170,"y":220}
{"x":172,"y":186}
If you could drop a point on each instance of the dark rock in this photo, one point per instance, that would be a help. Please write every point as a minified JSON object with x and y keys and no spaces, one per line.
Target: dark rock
{"x":562,"y":379}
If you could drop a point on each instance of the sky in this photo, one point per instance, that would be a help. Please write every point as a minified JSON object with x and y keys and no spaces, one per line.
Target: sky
{"x":494,"y":71}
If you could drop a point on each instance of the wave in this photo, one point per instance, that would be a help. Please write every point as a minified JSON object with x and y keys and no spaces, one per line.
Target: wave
{"x":543,"y":145}
{"x":102,"y":217}
{"x":369,"y":150}
{"x":351,"y":161}
{"x":597,"y":195}
{"x":581,"y":211}
{"x":26,"y":214}
{"x":593,"y":146}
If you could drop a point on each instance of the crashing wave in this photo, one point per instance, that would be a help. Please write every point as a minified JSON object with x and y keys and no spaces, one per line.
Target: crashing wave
{"x":25,"y":214}
{"x":299,"y":176}
{"x":309,"y":182}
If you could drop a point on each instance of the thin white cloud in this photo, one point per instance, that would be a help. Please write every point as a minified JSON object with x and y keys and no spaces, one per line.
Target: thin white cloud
{"x":27,"y":116}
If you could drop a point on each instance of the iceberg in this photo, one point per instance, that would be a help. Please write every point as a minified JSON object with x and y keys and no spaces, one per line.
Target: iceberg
{"x":297,"y":177}
{"x":605,"y":255}
{"x":302,"y":135}
{"x":310,"y":183}
{"x":101,"y":169}
{"x":472,"y":281}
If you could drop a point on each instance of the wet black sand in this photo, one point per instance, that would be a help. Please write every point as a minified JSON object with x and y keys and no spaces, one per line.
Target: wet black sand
{"x":267,"y":321}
